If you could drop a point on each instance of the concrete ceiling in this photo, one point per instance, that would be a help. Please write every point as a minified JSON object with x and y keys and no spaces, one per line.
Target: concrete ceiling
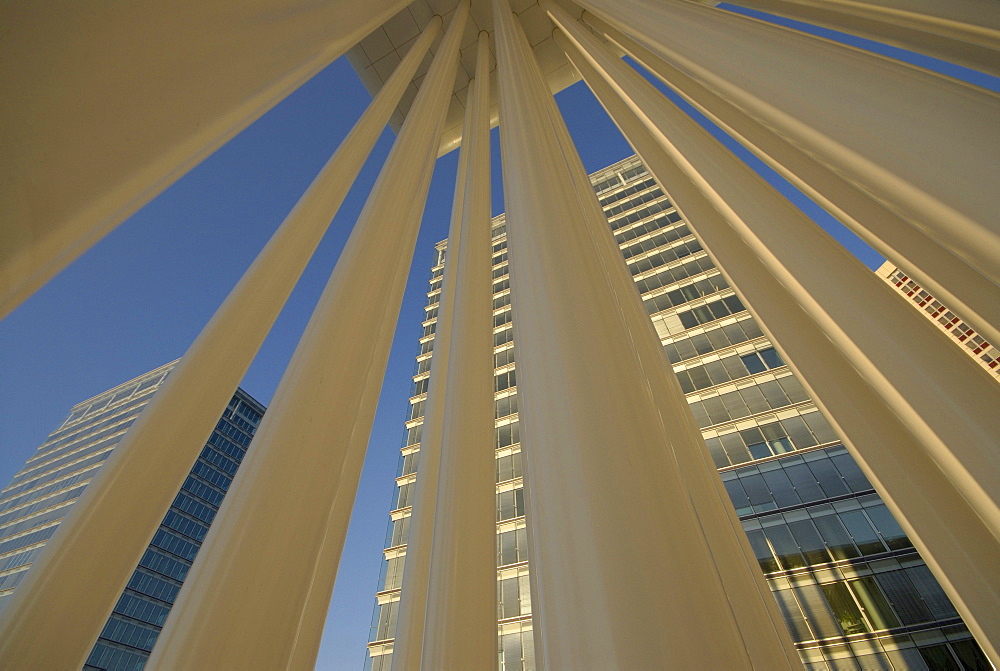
{"x":377,"y":55}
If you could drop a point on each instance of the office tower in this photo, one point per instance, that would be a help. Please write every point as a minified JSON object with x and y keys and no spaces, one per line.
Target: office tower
{"x":985,"y":353}
{"x":853,"y":590}
{"x":42,"y":493}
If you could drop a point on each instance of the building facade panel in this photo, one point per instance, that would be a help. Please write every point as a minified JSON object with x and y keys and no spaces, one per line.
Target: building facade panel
{"x":42,"y":493}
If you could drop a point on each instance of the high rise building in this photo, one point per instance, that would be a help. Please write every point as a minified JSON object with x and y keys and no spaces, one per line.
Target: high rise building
{"x":42,"y":493}
{"x":853,"y":590}
{"x":985,"y":353}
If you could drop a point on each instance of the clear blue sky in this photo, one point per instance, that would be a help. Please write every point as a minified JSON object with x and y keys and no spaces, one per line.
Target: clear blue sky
{"x":139,"y":297}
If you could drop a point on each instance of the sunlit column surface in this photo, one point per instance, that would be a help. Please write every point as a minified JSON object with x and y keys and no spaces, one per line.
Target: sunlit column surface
{"x":966,"y":32}
{"x":921,"y":143}
{"x":918,"y":415}
{"x":462,"y":584}
{"x":758,"y":616}
{"x":955,"y":282}
{"x":109,"y":528}
{"x":107,"y":105}
{"x":258,"y":594}
{"x":410,"y":622}
{"x":622,"y":575}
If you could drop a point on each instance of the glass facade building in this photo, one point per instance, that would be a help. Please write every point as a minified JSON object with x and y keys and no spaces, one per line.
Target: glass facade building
{"x":854,"y":592}
{"x":42,"y":493}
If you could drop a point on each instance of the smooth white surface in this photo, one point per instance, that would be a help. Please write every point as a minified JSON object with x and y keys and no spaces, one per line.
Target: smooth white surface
{"x":462,"y":582}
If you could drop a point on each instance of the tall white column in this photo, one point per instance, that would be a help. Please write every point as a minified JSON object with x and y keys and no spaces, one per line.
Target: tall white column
{"x":461,"y":624}
{"x":54,"y":617}
{"x":410,"y":621}
{"x":887,"y":393}
{"x":108,"y":105}
{"x":923,"y":144}
{"x":945,"y":275}
{"x":259,"y":590}
{"x":966,"y":32}
{"x":622,"y":573}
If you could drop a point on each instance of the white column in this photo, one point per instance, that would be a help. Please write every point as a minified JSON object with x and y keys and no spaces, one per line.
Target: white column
{"x":923,"y":144}
{"x":410,"y":621}
{"x":966,"y":32}
{"x":622,"y":573}
{"x":108,"y":105}
{"x":54,"y":617}
{"x":883,"y":374}
{"x":259,"y":590}
{"x":946,"y":276}
{"x":461,"y":623}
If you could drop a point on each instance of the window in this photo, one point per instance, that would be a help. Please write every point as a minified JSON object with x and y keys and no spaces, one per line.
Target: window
{"x":507,"y":435}
{"x":512,"y":547}
{"x":510,"y":504}
{"x":506,"y":406}
{"x":505,"y":380}
{"x":509,"y":467}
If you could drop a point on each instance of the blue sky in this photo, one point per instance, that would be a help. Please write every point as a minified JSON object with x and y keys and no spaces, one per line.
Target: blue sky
{"x":139,"y":297}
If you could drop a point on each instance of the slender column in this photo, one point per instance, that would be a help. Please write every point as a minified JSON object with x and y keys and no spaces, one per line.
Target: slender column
{"x":966,"y":32}
{"x":761,"y":623}
{"x":923,"y":144}
{"x":622,"y":574}
{"x":410,"y":621}
{"x":947,"y":276}
{"x":54,"y":617}
{"x":783,"y":263}
{"x":124,"y":99}
{"x":461,"y":629}
{"x":258,"y":593}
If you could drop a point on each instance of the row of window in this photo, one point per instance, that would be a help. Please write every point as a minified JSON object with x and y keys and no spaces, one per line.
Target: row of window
{"x":822,"y":534}
{"x":871,"y":603}
{"x":164,"y":564}
{"x":106,"y":655}
{"x":632,"y":173}
{"x":623,"y":235}
{"x":625,"y":193}
{"x":635,"y":202}
{"x":685,"y":294}
{"x":703,"y":314}
{"x":651,"y":243}
{"x":794,"y":481}
{"x":713,"y":339}
{"x":606,"y":184}
{"x":46,"y":496}
{"x":641,"y":213}
{"x":750,"y":400}
{"x":138,"y":608}
{"x":662,"y":258}
{"x":728,"y":368}
{"x":674,"y":274}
